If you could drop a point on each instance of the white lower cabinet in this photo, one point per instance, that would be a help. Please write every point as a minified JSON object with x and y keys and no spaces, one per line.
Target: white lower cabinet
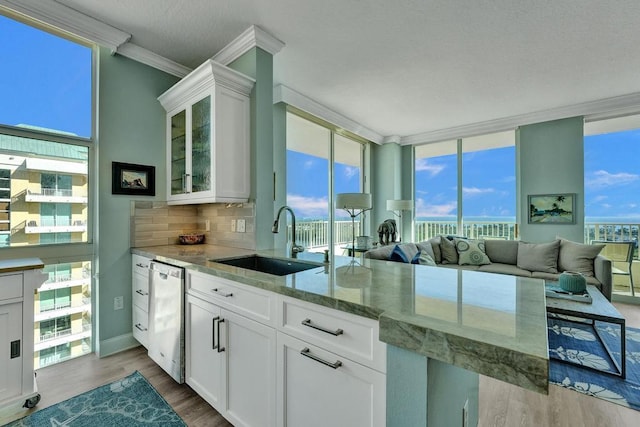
{"x":319,"y":388}
{"x":11,"y":366}
{"x":231,"y":363}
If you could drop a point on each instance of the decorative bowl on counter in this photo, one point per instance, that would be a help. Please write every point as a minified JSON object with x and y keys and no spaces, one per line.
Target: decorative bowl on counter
{"x":191,"y":239}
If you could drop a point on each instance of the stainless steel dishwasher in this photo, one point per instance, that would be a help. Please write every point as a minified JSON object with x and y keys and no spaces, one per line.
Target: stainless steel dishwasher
{"x":166,"y":320}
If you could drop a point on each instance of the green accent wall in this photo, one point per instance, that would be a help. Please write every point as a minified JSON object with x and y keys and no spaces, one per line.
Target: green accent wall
{"x":131,"y":129}
{"x":550,"y":158}
{"x":258,"y":64}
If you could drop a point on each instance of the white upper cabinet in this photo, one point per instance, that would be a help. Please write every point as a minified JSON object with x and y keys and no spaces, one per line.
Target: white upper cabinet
{"x":208,"y":131}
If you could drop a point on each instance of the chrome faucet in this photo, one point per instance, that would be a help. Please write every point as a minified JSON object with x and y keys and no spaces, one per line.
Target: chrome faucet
{"x":295,"y":249}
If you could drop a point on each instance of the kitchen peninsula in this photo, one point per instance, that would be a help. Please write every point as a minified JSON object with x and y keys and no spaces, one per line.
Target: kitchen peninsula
{"x":442,"y":326}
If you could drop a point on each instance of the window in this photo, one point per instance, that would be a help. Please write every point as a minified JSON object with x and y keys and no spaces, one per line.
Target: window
{"x":321,"y":162}
{"x":466,"y":187}
{"x":46,"y":130}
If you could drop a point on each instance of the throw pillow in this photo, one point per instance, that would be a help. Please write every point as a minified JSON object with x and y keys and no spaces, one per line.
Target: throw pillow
{"x":541,"y":257}
{"x":403,"y":253}
{"x":502,"y":251}
{"x":426,"y":247}
{"x":426,"y":259}
{"x":471,"y":252}
{"x":416,"y":258}
{"x":435,"y":247}
{"x":577,"y":257}
{"x":448,"y":250}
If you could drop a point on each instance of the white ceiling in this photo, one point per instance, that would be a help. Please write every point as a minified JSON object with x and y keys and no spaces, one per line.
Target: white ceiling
{"x":405,"y":67}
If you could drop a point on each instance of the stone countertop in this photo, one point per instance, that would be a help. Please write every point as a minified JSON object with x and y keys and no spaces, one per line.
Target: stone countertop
{"x":11,"y":265}
{"x":491,"y":324}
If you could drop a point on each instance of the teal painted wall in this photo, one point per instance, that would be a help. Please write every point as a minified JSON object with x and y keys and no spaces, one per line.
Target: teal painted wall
{"x":280,"y":164}
{"x":131,"y":129}
{"x":258,"y":64}
{"x":550,"y":160}
{"x":386,"y":182}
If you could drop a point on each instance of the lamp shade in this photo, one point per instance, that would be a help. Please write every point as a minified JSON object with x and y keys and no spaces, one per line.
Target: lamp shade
{"x":353,"y":201}
{"x":399,"y":205}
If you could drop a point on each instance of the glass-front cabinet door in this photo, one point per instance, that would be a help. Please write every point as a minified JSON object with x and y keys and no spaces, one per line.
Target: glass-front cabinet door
{"x":178,"y":153}
{"x":201,"y":145}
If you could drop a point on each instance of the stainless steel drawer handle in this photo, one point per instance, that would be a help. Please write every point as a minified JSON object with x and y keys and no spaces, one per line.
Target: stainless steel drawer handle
{"x":139,"y":326}
{"x":213,"y":333}
{"x":217,"y":291}
{"x":307,"y":322}
{"x":142,"y":265}
{"x":138,"y":291}
{"x":307,"y":353}
{"x":220,"y":347}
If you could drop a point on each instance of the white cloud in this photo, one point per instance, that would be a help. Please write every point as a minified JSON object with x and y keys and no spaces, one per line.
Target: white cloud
{"x":602,"y":178}
{"x":308,"y":164}
{"x":444,"y":209}
{"x":350,"y":171}
{"x":422,"y":165}
{"x":308,"y":206}
{"x":600,"y":198}
{"x":475,"y":191}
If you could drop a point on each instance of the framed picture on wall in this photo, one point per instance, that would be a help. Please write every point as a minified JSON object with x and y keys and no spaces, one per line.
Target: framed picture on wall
{"x":552,"y":208}
{"x":137,"y":180}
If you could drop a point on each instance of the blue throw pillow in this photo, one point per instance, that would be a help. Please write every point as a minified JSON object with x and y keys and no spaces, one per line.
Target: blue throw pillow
{"x":416,"y":258}
{"x":398,"y":255}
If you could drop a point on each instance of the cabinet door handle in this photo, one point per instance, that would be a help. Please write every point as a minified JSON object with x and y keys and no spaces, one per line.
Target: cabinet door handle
{"x":142,"y":265}
{"x":220,"y":347}
{"x":213,"y":333}
{"x":186,"y":175}
{"x":217,"y":291}
{"x":307,"y":353}
{"x":139,"y":291}
{"x":139,"y":326}
{"x":307,"y":322}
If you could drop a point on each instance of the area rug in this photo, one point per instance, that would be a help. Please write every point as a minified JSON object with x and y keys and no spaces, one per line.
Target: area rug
{"x":131,"y":401}
{"x":578,"y":343}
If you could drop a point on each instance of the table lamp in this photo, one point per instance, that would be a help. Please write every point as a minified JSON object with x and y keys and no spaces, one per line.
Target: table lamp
{"x":354,"y":204}
{"x":397,"y":206}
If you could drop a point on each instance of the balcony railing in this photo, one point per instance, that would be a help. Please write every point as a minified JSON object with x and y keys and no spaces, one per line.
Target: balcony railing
{"x":313,"y":233}
{"x":55,"y":195}
{"x":47,"y":336}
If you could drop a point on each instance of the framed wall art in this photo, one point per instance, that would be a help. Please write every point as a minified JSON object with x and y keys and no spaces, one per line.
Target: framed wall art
{"x":552,"y":208}
{"x":137,"y":180}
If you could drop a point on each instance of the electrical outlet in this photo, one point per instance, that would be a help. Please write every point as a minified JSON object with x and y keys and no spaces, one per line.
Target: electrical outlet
{"x":465,"y":414}
{"x":118,"y":303}
{"x":233,"y":225}
{"x":242,"y":226}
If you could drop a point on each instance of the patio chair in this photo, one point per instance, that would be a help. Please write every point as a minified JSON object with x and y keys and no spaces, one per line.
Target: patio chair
{"x":619,"y":253}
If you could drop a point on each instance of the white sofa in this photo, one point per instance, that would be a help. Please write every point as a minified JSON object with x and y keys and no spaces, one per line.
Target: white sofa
{"x":540,"y":260}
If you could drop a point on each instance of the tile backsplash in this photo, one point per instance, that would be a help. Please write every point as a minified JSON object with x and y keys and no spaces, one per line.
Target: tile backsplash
{"x":156,"y":223}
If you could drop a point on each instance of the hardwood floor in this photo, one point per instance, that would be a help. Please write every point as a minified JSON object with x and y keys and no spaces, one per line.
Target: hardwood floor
{"x":501,"y":404}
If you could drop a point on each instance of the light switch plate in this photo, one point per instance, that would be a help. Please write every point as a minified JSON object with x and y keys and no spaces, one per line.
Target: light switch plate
{"x":233,"y":225}
{"x":242,"y":226}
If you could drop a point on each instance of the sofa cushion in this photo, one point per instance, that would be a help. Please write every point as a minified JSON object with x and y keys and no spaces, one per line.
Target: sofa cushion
{"x":435,"y":247}
{"x":383,"y":252}
{"x":502,"y":251}
{"x":425,"y":259}
{"x":428,"y":248}
{"x":577,"y":257}
{"x":545,"y":276}
{"x":471,"y":252}
{"x":404,"y":253}
{"x":500,"y":268}
{"x":461,"y":267}
{"x":539,"y":256}
{"x":448,"y":250}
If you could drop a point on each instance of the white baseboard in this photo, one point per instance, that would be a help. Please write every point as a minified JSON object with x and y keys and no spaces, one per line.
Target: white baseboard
{"x":116,"y":345}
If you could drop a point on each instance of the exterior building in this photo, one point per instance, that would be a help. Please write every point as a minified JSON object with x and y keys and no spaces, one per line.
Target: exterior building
{"x":43,"y":200}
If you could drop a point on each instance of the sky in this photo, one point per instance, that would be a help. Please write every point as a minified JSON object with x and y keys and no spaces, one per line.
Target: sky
{"x":46,"y":78}
{"x":45,"y":81}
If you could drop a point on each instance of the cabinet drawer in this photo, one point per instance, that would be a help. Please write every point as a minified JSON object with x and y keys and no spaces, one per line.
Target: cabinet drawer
{"x":140,"y":325}
{"x":246,"y":300}
{"x":10,"y":286}
{"x":345,"y":334}
{"x":141,"y":291}
{"x":140,"y":265}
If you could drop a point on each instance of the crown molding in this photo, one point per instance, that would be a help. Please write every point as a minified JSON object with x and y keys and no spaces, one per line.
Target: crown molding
{"x":140,"y":54}
{"x":591,"y":110}
{"x":202,"y":78}
{"x":253,"y":36}
{"x":282,"y":93}
{"x":69,"y":20}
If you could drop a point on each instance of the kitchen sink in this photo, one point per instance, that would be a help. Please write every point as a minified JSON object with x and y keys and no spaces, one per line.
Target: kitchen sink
{"x":275,"y":266}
